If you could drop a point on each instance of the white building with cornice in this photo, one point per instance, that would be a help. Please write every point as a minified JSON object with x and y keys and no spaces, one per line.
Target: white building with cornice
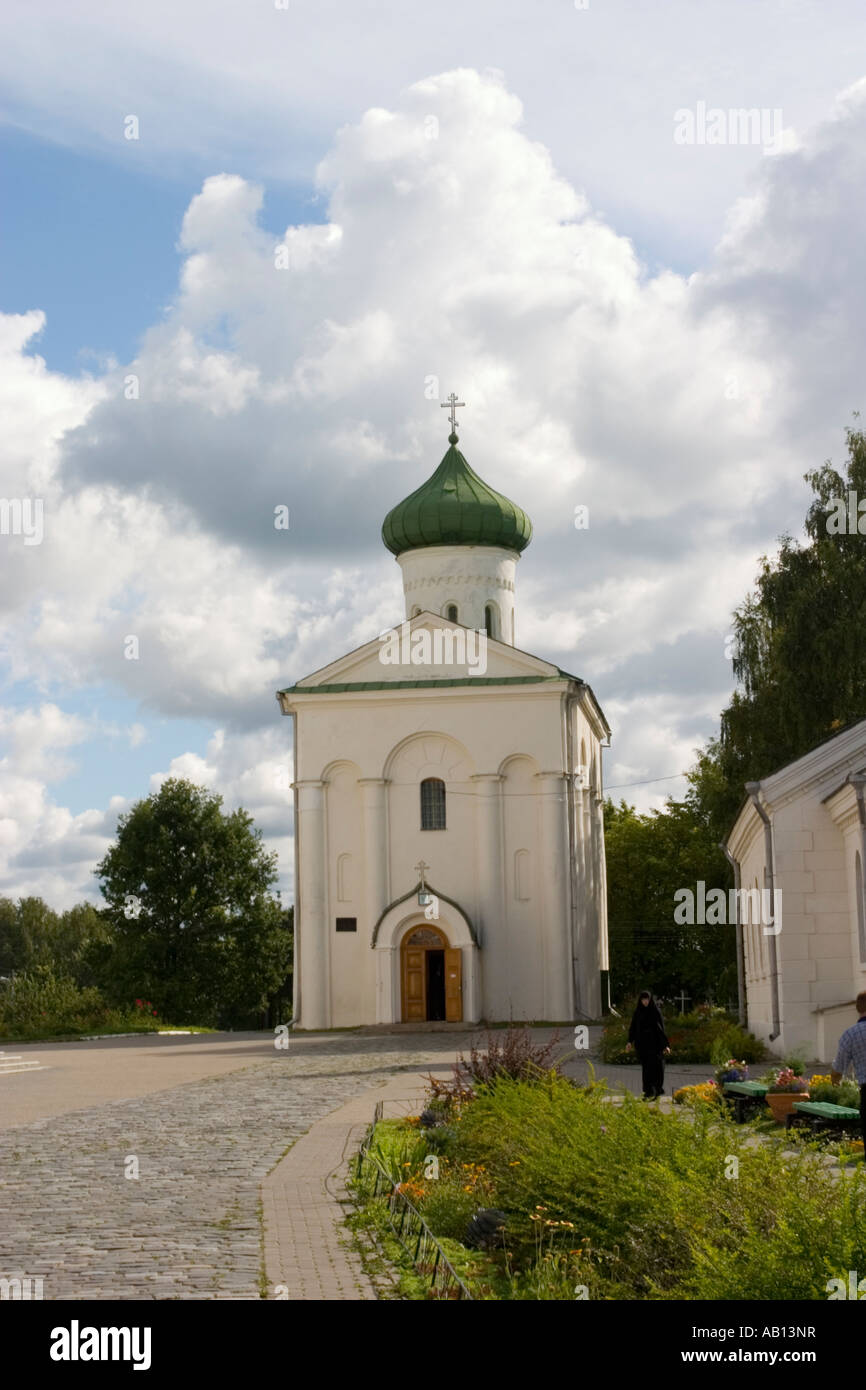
{"x":802,"y":835}
{"x":449,"y":851}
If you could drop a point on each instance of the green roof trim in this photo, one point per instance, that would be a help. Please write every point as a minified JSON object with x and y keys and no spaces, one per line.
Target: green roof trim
{"x":411,"y":894}
{"x":345,"y":687}
{"x":455,"y":507}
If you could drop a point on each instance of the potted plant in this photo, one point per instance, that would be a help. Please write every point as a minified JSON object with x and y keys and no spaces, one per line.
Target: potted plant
{"x":785,"y":1088}
{"x":732,"y":1070}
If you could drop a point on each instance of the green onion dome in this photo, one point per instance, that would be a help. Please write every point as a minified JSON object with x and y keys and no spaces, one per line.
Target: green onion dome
{"x":454,"y":507}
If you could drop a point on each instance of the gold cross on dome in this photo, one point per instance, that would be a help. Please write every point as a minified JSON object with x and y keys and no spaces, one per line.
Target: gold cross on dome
{"x":452,"y":403}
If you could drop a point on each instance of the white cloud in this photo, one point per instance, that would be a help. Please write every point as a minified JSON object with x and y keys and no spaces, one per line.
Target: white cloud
{"x":225,"y":84}
{"x":45,"y":850}
{"x":682,"y":411}
{"x":35,"y":736}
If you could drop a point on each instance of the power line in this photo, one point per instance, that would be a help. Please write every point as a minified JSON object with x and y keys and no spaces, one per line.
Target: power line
{"x":615,"y":786}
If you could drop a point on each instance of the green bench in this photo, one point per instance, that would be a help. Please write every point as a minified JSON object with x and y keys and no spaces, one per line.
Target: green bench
{"x":821,"y":1115}
{"x":747,"y":1097}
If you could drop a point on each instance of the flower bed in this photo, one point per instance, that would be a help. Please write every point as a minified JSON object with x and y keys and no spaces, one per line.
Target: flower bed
{"x":823,"y":1089}
{"x":704,"y":1093}
{"x":619,"y":1201}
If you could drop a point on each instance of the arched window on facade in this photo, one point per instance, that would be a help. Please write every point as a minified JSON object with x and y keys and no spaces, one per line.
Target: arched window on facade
{"x":415,"y":611}
{"x":432,"y":804}
{"x":521,"y":875}
{"x":451,"y":612}
{"x":860,"y":889}
{"x":489,"y":620}
{"x":344,"y":878}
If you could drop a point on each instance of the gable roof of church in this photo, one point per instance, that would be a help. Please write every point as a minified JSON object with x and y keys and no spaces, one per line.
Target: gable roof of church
{"x":337,"y":687}
{"x":455,"y":507}
{"x":359,"y":687}
{"x":544,"y":673}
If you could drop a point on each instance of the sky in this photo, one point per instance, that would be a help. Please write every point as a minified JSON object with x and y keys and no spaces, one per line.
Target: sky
{"x":651,"y":309}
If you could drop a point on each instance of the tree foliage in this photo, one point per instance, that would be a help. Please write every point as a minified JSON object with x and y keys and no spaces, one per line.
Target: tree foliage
{"x":650,"y":857}
{"x":188,"y":893}
{"x":799,"y":654}
{"x":800,"y":665}
{"x":33,"y":936}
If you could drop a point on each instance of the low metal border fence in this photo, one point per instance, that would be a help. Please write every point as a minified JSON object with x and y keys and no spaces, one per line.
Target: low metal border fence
{"x":407,"y":1223}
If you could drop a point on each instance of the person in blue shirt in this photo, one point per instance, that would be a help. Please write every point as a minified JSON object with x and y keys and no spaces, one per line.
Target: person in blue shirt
{"x":852,"y":1053}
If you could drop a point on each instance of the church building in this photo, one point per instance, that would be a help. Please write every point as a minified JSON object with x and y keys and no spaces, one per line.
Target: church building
{"x":449,"y":852}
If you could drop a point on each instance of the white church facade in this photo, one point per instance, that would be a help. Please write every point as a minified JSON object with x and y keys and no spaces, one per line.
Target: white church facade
{"x":801,"y":837}
{"x":449,"y":853}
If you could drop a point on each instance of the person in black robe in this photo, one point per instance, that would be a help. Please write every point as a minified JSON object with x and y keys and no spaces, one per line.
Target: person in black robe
{"x":650,"y":1041}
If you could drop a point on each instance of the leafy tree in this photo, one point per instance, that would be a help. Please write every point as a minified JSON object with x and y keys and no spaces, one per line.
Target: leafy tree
{"x":799,"y":657}
{"x":800,"y":663}
{"x":25,"y":930}
{"x":650,"y":857}
{"x":188,"y":894}
{"x":32,"y":936}
{"x":279,"y":1009}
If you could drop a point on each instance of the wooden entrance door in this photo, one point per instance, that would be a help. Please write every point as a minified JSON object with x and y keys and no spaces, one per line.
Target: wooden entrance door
{"x":453,"y":985}
{"x":414,"y":976}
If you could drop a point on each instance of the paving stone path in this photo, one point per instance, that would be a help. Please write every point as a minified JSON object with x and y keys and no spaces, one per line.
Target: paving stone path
{"x":308,"y":1252}
{"x":189,"y":1226}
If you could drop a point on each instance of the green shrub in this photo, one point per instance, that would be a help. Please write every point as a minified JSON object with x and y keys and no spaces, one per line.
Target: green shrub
{"x":849,"y":1094}
{"x":840,"y":1093}
{"x":701,"y":1036}
{"x":447,"y":1206}
{"x":37,"y":1003}
{"x":651,"y":1197}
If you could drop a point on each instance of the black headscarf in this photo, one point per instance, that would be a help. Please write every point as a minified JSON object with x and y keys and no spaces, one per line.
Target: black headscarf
{"x":647,"y":1029}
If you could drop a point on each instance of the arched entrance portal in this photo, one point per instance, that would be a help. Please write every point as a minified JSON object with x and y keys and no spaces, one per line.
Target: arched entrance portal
{"x":431,"y":974}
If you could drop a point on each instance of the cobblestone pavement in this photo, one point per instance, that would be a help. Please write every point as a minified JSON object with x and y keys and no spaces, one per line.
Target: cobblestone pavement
{"x":188,"y":1227}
